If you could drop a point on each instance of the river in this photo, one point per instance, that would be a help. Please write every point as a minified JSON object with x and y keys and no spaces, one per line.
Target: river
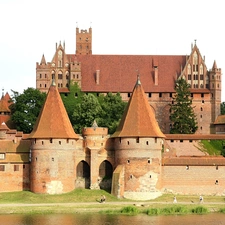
{"x":99,"y":219}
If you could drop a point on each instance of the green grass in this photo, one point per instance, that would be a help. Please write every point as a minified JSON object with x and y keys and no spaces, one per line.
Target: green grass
{"x":187,"y":204}
{"x":212,"y":147}
{"x":78,"y":195}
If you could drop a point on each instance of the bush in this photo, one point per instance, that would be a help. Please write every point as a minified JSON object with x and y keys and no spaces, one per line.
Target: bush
{"x":153,"y":211}
{"x":130,"y":210}
{"x":200,"y":210}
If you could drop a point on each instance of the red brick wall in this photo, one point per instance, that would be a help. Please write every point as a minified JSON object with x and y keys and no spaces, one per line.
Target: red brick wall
{"x":195,"y":180}
{"x":15,"y":177}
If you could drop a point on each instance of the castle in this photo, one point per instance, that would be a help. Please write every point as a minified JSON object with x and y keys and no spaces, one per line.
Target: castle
{"x":137,"y":162}
{"x":117,"y":73}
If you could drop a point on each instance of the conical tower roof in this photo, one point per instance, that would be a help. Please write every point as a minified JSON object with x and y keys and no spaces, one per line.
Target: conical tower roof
{"x":138,"y":119}
{"x":3,"y":126}
{"x":4,"y":105}
{"x":43,"y":61}
{"x":53,"y":121}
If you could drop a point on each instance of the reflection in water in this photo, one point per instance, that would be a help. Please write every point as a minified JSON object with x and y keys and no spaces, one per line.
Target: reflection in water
{"x":98,"y":219}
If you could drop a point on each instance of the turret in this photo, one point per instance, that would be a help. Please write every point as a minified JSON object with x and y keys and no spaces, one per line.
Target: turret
{"x":138,"y":143}
{"x":84,"y":42}
{"x":215,"y":76}
{"x":53,"y":148}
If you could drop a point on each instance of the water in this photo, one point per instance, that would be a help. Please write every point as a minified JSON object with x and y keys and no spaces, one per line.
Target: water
{"x":98,"y":219}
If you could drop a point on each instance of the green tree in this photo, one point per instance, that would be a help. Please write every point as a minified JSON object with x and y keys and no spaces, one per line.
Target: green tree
{"x":182,"y":114}
{"x":86,"y":112}
{"x":112,"y":111}
{"x":25,"y":108}
{"x":222,"y":108}
{"x":72,"y":99}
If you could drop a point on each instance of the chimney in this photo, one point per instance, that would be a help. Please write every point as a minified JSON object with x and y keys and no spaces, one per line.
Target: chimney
{"x":156,"y":77}
{"x":97,"y":76}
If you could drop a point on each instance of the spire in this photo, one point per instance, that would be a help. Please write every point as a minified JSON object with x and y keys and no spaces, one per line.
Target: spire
{"x":94,"y":124}
{"x":53,"y":121}
{"x":214,"y":65}
{"x":43,"y":61}
{"x":4,"y":103}
{"x":138,"y":119}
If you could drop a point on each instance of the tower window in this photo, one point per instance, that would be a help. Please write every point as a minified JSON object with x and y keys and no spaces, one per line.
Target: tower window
{"x":16,"y":167}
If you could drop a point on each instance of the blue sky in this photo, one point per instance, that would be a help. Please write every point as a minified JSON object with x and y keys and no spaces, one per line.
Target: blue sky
{"x":32,"y":28}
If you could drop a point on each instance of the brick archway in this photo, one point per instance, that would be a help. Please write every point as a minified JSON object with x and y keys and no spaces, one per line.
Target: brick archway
{"x":83,"y":175}
{"x":105,"y":174}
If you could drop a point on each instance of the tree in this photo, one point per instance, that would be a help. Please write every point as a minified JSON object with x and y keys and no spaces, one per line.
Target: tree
{"x":71,"y":100}
{"x":222,"y":108}
{"x":86,"y":112}
{"x":112,"y":111}
{"x":25,"y":108}
{"x":182,"y":114}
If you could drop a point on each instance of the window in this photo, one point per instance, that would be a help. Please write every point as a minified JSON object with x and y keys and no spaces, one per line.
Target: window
{"x":16,"y":167}
{"x":160,"y":95}
{"x":202,"y":95}
{"x":40,"y":76}
{"x":149,"y":95}
{"x":171,"y":95}
{"x":2,"y":167}
{"x":2,"y":156}
{"x":128,"y":95}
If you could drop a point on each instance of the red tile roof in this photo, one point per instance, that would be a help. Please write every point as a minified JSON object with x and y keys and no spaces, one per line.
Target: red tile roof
{"x":3,"y":126}
{"x":194,"y":161}
{"x":4,"y":104}
{"x":53,"y":121}
{"x":195,"y":136}
{"x":138,"y":119}
{"x":118,"y":72}
{"x":220,"y":119}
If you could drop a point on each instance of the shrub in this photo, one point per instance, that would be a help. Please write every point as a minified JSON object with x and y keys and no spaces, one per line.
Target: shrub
{"x":200,"y":210}
{"x":130,"y":210}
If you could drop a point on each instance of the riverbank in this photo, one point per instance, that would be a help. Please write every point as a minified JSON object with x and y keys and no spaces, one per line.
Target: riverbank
{"x":88,"y":201}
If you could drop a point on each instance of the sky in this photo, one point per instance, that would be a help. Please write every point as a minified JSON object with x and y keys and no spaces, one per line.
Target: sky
{"x":31,"y":28}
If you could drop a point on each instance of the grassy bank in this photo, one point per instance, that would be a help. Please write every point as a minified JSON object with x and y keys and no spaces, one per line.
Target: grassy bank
{"x":83,"y":200}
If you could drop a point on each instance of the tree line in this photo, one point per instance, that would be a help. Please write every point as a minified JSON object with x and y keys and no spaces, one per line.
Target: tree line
{"x":106,"y":110}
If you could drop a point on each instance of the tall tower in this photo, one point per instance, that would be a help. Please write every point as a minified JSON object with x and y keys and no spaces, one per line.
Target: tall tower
{"x":215,"y":89}
{"x":83,"y":42}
